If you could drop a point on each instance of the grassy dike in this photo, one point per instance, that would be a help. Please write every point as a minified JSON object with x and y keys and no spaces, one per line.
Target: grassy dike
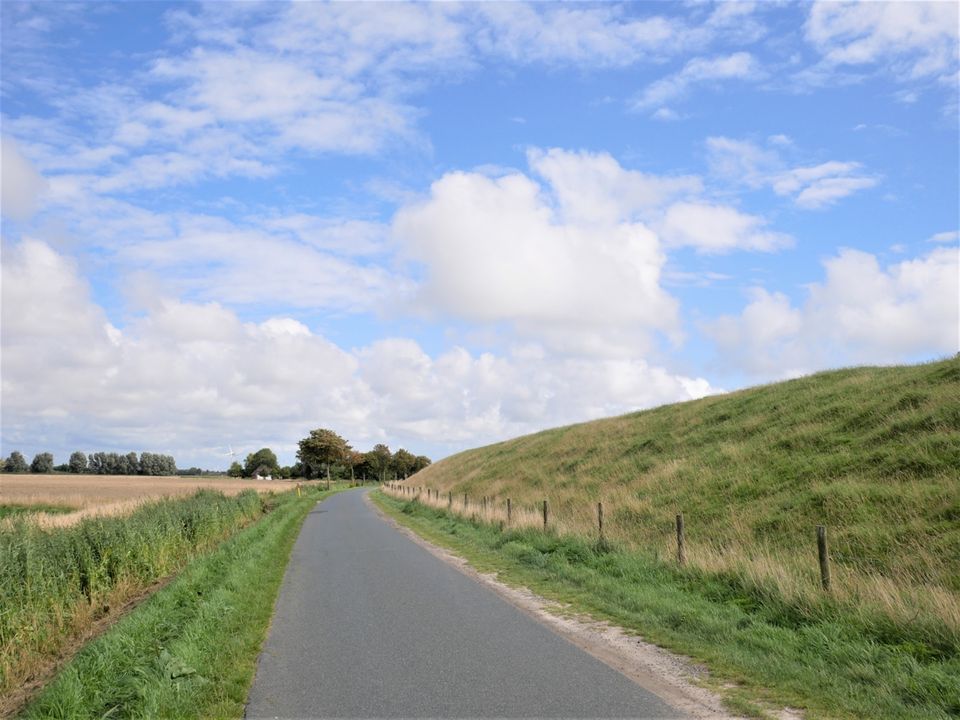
{"x":191,"y":649}
{"x":762,"y":650}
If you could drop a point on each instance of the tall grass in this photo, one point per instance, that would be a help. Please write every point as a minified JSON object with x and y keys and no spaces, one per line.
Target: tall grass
{"x":872,"y":453}
{"x":54,"y":583}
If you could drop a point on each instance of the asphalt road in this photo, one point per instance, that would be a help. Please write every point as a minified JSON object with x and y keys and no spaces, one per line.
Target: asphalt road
{"x":369,"y":624}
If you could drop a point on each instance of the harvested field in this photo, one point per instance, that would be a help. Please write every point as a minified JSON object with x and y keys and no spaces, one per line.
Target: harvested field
{"x":112,"y":494}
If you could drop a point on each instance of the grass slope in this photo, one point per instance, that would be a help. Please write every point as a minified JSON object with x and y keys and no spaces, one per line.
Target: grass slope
{"x":190,"y":650}
{"x":872,"y":453}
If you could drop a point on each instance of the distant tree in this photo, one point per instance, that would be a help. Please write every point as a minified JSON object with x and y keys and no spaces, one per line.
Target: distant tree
{"x":299,"y":470}
{"x":402,"y":463}
{"x":78,"y":462}
{"x":130,"y":464}
{"x":42,"y":463}
{"x":264,"y":457}
{"x":420,"y":462}
{"x":379,"y":460}
{"x":323,"y":449}
{"x":155,"y":464}
{"x":61,"y":468}
{"x":236,"y":469}
{"x":286,"y":472}
{"x":15,"y":463}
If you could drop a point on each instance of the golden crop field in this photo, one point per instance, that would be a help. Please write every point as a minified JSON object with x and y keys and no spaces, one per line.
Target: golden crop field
{"x":112,"y":494}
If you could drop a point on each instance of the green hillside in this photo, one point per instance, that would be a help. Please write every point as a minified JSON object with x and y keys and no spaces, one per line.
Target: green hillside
{"x":872,"y":453}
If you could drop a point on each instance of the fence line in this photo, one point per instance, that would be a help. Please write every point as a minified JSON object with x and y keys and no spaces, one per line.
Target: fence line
{"x":507,"y":514}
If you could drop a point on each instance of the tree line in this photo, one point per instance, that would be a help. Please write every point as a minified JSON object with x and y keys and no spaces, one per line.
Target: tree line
{"x":99,"y":463}
{"x":324,"y":453}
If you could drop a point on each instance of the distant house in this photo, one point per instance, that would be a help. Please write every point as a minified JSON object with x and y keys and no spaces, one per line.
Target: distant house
{"x":262,"y":473}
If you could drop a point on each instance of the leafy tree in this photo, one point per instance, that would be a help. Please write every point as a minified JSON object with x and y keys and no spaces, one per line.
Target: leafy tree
{"x":78,"y":462}
{"x":286,"y":472}
{"x":402,"y":463}
{"x":236,"y":469}
{"x":155,"y":464}
{"x":420,"y":462}
{"x":130,"y":464}
{"x":263,"y":456}
{"x":62,"y":467}
{"x":16,"y":463}
{"x":42,"y":463}
{"x":379,"y":460}
{"x":322,"y":449}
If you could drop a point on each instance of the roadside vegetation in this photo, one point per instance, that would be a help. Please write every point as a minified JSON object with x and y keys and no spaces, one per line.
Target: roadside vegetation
{"x":763,"y":651}
{"x":190,"y":650}
{"x":872,"y":454}
{"x":55,"y":583}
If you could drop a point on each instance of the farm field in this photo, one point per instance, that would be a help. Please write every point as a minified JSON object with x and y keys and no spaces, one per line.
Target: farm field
{"x":101,"y":495}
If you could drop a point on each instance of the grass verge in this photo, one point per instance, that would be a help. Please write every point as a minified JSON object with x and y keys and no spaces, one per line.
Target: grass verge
{"x":762,"y":649}
{"x":191,"y":649}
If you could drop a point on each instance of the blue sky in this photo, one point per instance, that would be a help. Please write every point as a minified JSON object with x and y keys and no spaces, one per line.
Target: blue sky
{"x":439,"y":225}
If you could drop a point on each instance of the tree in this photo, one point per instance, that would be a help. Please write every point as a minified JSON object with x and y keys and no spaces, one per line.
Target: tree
{"x":402,"y":463}
{"x":130,"y":464}
{"x":379,"y":460}
{"x":264,"y":457}
{"x":322,"y":449}
{"x":236,"y":469}
{"x":78,"y":462}
{"x":16,"y":463}
{"x":42,"y":463}
{"x":420,"y":462}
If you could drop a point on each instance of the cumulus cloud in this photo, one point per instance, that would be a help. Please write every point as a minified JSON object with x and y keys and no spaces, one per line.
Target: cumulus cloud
{"x":546,"y":259}
{"x":192,"y":378}
{"x":860,"y":312}
{"x":740,"y":66}
{"x":714,"y":229}
{"x":21,"y":184}
{"x":810,"y":186}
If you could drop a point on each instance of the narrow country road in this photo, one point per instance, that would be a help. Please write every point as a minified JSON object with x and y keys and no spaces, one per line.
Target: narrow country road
{"x":369,"y":624}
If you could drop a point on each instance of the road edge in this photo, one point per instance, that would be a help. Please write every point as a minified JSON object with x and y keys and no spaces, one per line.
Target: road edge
{"x":672,"y":678}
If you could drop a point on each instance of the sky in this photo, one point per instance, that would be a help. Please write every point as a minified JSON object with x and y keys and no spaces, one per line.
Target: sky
{"x":438,"y":226}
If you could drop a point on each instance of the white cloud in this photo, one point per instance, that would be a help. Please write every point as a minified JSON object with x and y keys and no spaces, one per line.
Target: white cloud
{"x":811,"y":187}
{"x":191,"y":378}
{"x":555,"y":262}
{"x":740,"y":65}
{"x":820,"y":185}
{"x":915,"y":39}
{"x":21,"y":185}
{"x":860,"y":313}
{"x":713,"y":229}
{"x":595,"y":188}
{"x":944,"y":237}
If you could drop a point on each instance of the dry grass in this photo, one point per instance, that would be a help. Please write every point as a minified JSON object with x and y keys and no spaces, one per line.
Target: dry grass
{"x":108,"y":495}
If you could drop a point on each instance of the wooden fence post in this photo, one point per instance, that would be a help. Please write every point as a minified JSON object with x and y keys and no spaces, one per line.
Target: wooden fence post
{"x":822,"y":551}
{"x":466,"y":503}
{"x":509,"y":511}
{"x":544,"y":514}
{"x":600,"y":519}
{"x":449,"y":500}
{"x":681,"y":548}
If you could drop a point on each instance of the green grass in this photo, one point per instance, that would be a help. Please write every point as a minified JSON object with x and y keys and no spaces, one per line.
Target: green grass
{"x":191,"y":649}
{"x":831,"y":661}
{"x":12,"y":510}
{"x":871,"y":453}
{"x":54,"y":583}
